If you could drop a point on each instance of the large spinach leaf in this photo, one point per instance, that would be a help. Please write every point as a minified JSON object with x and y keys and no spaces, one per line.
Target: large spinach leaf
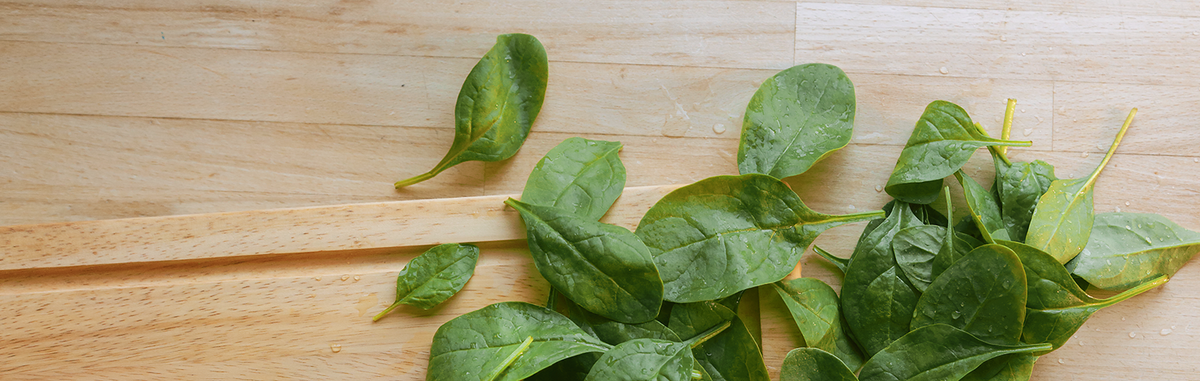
{"x":876,"y":303}
{"x":942,"y":142}
{"x":796,"y":118}
{"x":579,"y":175}
{"x":1126,"y":249}
{"x":935,"y":353}
{"x":813,"y":364}
{"x":985,"y":211}
{"x":497,"y":104}
{"x":645,"y":360}
{"x":434,"y":276}
{"x":725,"y":234}
{"x":730,"y":355}
{"x":1062,"y":221}
{"x":817,"y":312}
{"x":603,"y":268}
{"x":482,"y":341}
{"x":982,"y":294}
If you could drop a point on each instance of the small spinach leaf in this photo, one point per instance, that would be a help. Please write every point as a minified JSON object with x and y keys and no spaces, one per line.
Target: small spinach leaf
{"x":934,"y":353}
{"x":604,"y":268}
{"x":876,"y":303}
{"x":915,"y":248}
{"x":1062,"y":221}
{"x":497,"y":104}
{"x":984,"y":209}
{"x":1020,"y":186}
{"x":434,"y":276}
{"x":941,"y":143}
{"x":1014,"y":367}
{"x":730,"y":355}
{"x":645,"y":360}
{"x":725,"y":234}
{"x":483,"y":339}
{"x":815,"y":307}
{"x":580,"y":176}
{"x":982,"y":294}
{"x":797,"y":117}
{"x":813,"y":364}
{"x":1127,"y":249}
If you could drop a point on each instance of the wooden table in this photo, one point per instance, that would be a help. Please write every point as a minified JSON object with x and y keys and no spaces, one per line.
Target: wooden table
{"x":136,"y":108}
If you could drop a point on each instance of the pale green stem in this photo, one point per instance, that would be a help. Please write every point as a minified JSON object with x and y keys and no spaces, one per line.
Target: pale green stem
{"x":1134,"y":291}
{"x":1111,"y":150}
{"x":415,"y":179}
{"x":386,"y":311}
{"x":511,"y":358}
{"x":1006,"y":130}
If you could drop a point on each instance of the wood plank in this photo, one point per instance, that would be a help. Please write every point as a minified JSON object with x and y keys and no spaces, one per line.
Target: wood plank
{"x":1101,"y":7}
{"x":1088,"y":115}
{"x":692,"y":33}
{"x":1000,"y":43}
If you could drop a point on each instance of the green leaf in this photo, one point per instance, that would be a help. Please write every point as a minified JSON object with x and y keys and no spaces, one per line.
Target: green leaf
{"x":725,"y":234}
{"x":580,"y":176}
{"x":1014,"y":367}
{"x":1057,"y":306}
{"x":876,"y":303}
{"x":1020,"y":186}
{"x":434,"y":276}
{"x":817,"y":312}
{"x":983,"y":294}
{"x":985,"y":211}
{"x":497,"y":104}
{"x":838,"y":262}
{"x":603,"y":268}
{"x":1126,"y":249}
{"x":935,"y":353}
{"x":915,"y":248}
{"x":796,"y":118}
{"x":941,"y":143}
{"x":571,"y":369}
{"x":1062,"y":221}
{"x":615,"y":332}
{"x":482,"y":340}
{"x":963,"y":244}
{"x":813,"y":364}
{"x":645,"y":360}
{"x":731,"y":355}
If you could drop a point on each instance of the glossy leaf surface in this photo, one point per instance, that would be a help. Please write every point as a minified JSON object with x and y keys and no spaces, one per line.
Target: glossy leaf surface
{"x":645,"y":360}
{"x":434,"y":276}
{"x":985,"y":211}
{"x":915,"y":249}
{"x":876,"y":303}
{"x":1126,"y":249}
{"x":837,"y":261}
{"x":603,"y":268}
{"x":1019,"y":187}
{"x":615,"y":332}
{"x":731,"y":355}
{"x":812,"y":364}
{"x":579,"y":175}
{"x":725,"y":234}
{"x":817,"y":312}
{"x":982,"y":294}
{"x":497,"y":104}
{"x":796,"y":118}
{"x":935,"y":353}
{"x":1014,"y":367}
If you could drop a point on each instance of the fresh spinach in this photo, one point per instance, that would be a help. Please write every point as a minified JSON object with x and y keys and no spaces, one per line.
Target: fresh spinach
{"x":615,"y":332}
{"x":730,"y":355}
{"x":817,"y":312}
{"x":1014,"y":367}
{"x":725,"y":234}
{"x":1126,"y":249}
{"x":645,"y":360}
{"x":838,"y":262}
{"x":985,"y":211}
{"x":579,"y":175}
{"x":876,"y":303}
{"x":497,"y":104}
{"x":1062,"y":221}
{"x":603,"y":268}
{"x":434,"y":276}
{"x":982,"y":294}
{"x":934,"y":353}
{"x":796,"y":118}
{"x":1020,"y":185}
{"x":814,"y":364}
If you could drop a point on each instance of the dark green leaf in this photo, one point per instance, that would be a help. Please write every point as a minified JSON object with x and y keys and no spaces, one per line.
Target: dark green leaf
{"x":497,"y":104}
{"x":645,"y":360}
{"x":963,"y":244}
{"x":580,"y":176}
{"x":614,"y":332}
{"x":915,"y":248}
{"x":732,"y":302}
{"x":1014,"y":367}
{"x":984,"y":209}
{"x":838,"y":262}
{"x":812,"y":364}
{"x":935,"y":353}
{"x":815,"y":307}
{"x":480,"y":341}
{"x":876,"y":303}
{"x":982,"y":294}
{"x":1126,"y":249}
{"x":731,"y":355}
{"x":941,"y":143}
{"x":1019,"y":187}
{"x":796,"y":118}
{"x":434,"y":276}
{"x":572,"y":369}
{"x":725,"y":234}
{"x":604,"y":268}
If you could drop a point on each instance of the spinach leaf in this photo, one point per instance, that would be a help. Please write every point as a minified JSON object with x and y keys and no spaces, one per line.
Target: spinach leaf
{"x":614,"y":332}
{"x":730,"y":355}
{"x":813,"y":364}
{"x":984,"y":209}
{"x":1019,"y":186}
{"x":1126,"y":249}
{"x":497,"y":104}
{"x":915,"y":248}
{"x":725,"y":234}
{"x":1062,"y":221}
{"x":941,"y":143}
{"x":838,"y":262}
{"x":434,"y":276}
{"x":876,"y":303}
{"x":482,"y":340}
{"x":604,"y":268}
{"x":580,"y":176}
{"x":934,"y":353}
{"x":572,"y":369}
{"x":645,"y":360}
{"x":1014,"y":367}
{"x":797,"y":117}
{"x":815,"y":307}
{"x":982,"y":294}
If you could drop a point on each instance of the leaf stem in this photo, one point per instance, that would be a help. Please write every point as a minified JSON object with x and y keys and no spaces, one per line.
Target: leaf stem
{"x":386,"y":311}
{"x":855,"y":217}
{"x":1006,"y":130}
{"x":998,"y":151}
{"x":415,"y":179}
{"x":1134,"y":291}
{"x":710,"y":333}
{"x":1112,"y":149}
{"x":510,"y":359}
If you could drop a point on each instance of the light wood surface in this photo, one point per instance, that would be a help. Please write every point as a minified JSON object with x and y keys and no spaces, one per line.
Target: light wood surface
{"x":137,"y":108}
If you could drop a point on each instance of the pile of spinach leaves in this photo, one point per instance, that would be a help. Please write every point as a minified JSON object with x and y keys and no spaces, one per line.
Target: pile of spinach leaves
{"x":924,"y":298}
